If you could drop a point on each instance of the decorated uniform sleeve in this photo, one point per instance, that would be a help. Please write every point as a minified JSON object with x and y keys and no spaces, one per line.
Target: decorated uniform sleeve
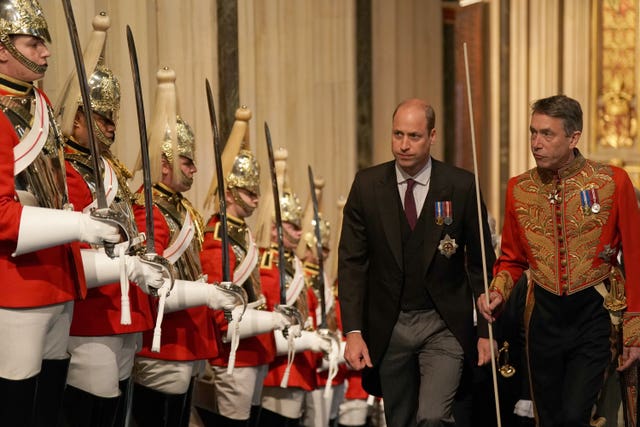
{"x":629,"y":229}
{"x":512,"y":261}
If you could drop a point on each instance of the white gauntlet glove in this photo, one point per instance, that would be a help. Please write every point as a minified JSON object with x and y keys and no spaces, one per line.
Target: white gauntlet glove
{"x":256,"y":322}
{"x":308,"y":340}
{"x":187,"y":294}
{"x":42,"y":228}
{"x":148,"y":276}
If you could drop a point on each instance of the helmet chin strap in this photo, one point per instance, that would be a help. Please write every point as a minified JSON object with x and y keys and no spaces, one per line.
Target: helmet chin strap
{"x":36,"y":68}
{"x":101,"y":137}
{"x":289,"y":237}
{"x":239,"y":200}
{"x":185,"y":180}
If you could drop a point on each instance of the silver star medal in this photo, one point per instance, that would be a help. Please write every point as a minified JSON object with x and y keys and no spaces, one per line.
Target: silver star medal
{"x":447,"y":246}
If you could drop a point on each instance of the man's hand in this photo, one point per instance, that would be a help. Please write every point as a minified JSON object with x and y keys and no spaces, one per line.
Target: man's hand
{"x":148,"y":276}
{"x":487,"y":310}
{"x":484,"y":350}
{"x":356,"y":352}
{"x":629,"y":356}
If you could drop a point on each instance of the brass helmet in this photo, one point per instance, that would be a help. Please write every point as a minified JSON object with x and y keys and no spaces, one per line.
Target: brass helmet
{"x":290,"y":208}
{"x":309,"y":236}
{"x":245,"y":173}
{"x":186,"y":141}
{"x":104,"y":90}
{"x":104,"y":87}
{"x":23,"y":17}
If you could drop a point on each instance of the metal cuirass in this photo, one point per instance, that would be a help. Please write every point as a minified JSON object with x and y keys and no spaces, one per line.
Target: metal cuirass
{"x":175,"y":208}
{"x":123,"y":200}
{"x":238,"y":236}
{"x":43,"y":182}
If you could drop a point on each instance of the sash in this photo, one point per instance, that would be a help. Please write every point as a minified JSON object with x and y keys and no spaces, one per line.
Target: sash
{"x":174,"y":251}
{"x":110,"y":186}
{"x":248,"y":264}
{"x":297,"y":282}
{"x":31,"y":144}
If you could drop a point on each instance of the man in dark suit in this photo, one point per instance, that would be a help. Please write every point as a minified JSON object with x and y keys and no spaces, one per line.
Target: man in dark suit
{"x":410,"y":264}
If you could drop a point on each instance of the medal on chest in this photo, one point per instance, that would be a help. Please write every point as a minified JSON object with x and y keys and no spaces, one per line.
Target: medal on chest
{"x":444,"y":212}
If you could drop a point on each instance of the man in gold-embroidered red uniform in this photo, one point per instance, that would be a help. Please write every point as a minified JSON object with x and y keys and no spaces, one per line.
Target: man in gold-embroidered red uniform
{"x":566,"y":220}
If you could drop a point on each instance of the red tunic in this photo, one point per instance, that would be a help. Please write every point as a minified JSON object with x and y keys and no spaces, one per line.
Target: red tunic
{"x":251,"y":351}
{"x":49,"y":276}
{"x":303,"y":370}
{"x":186,"y":334}
{"x":99,"y":314}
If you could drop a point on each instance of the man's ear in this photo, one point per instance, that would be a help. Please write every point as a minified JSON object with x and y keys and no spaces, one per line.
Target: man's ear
{"x":166,"y":167}
{"x":4,"y":53}
{"x":228,"y":197}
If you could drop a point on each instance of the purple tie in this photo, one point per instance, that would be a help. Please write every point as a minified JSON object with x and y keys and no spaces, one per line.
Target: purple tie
{"x":410,"y":204}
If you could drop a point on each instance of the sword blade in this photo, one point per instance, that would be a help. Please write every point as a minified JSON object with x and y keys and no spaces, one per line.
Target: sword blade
{"x":144,"y":144}
{"x":316,"y":219}
{"x":86,"y":103}
{"x":276,"y":206}
{"x":226,"y":274}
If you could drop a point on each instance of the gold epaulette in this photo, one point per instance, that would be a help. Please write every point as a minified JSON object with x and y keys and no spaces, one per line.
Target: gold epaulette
{"x":138,"y":198}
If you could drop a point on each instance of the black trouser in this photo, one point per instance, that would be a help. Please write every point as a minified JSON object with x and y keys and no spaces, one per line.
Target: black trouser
{"x":568,"y":354}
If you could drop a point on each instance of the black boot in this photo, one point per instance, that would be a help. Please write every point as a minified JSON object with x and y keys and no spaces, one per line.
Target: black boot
{"x":50,"y":393}
{"x":211,"y":419}
{"x":254,"y":418}
{"x":17,"y":405}
{"x":123,"y":403}
{"x":151,"y":408}
{"x":186,"y":412}
{"x":271,"y":419}
{"x":85,"y":409}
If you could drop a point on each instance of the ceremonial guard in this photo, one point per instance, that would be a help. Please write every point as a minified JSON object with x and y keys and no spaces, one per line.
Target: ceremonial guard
{"x":238,"y":373}
{"x":106,"y":330}
{"x":321,"y":404}
{"x":289,"y":377}
{"x":42,"y":273}
{"x":164,"y":373}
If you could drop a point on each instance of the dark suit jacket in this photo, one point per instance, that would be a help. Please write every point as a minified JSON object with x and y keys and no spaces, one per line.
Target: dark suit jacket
{"x":370,"y":272}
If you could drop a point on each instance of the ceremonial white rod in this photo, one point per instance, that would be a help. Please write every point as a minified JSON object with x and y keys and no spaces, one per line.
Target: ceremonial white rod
{"x":482,"y":248}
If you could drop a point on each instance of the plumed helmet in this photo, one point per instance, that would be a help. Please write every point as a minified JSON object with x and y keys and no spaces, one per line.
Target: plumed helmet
{"x":104,"y":87}
{"x":239,"y":167}
{"x":22,"y":17}
{"x":169,"y":135}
